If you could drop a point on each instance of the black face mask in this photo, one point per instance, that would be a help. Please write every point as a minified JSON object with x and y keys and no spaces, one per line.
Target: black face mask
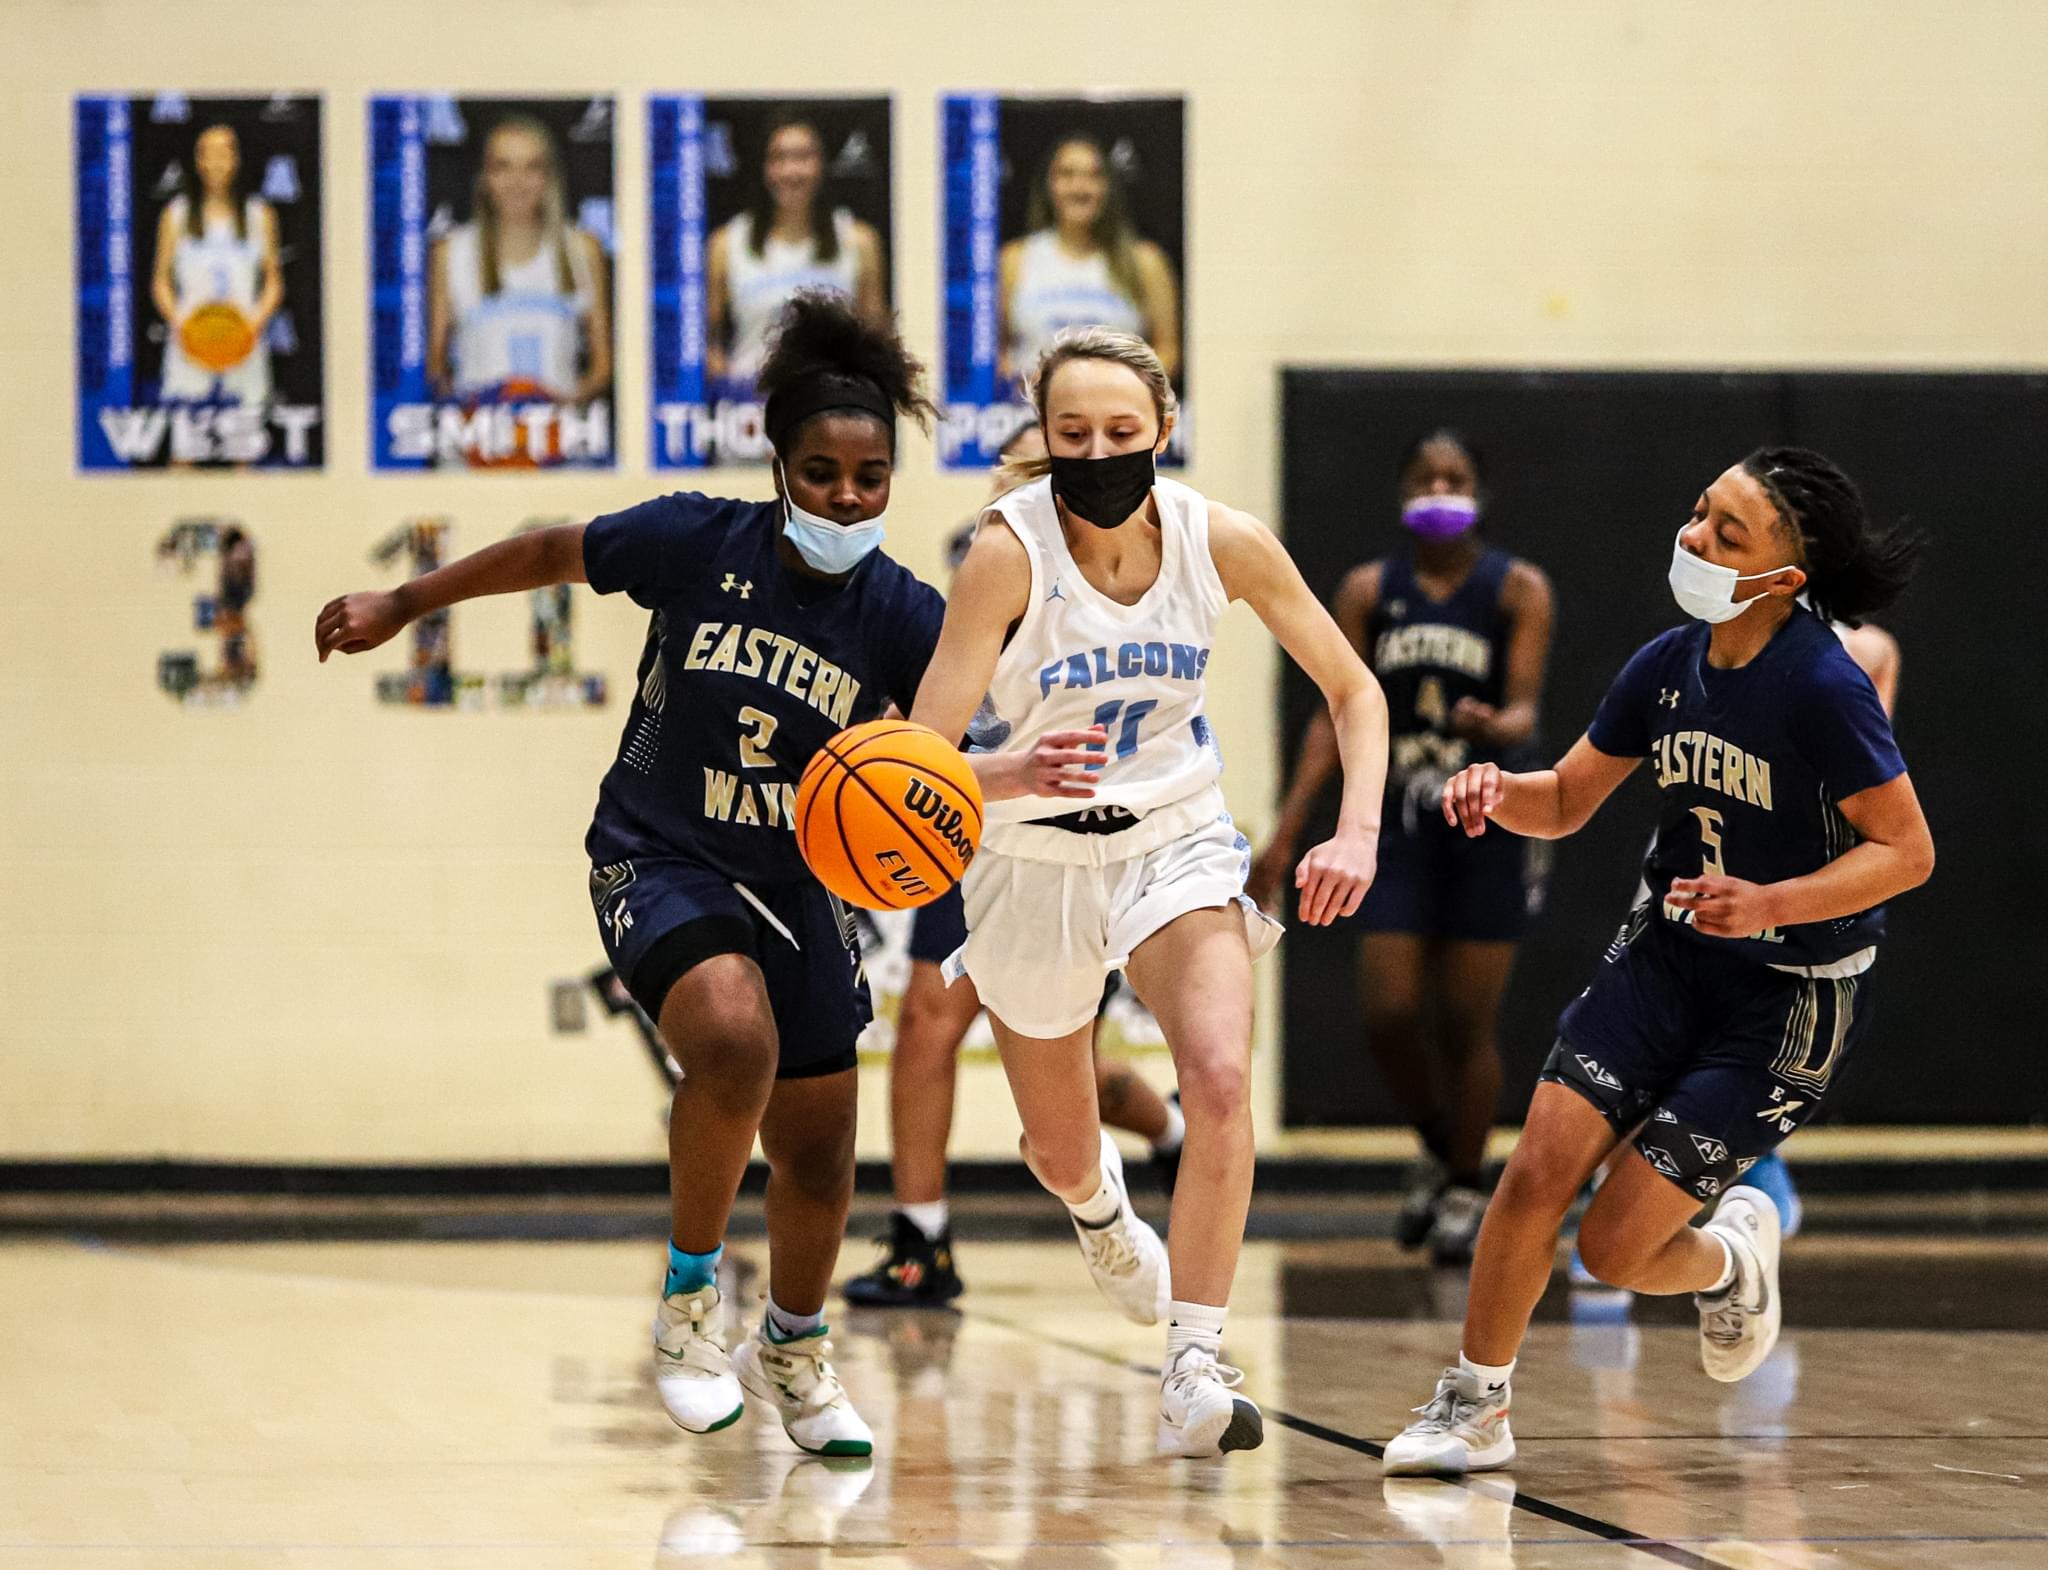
{"x":1104,"y":491}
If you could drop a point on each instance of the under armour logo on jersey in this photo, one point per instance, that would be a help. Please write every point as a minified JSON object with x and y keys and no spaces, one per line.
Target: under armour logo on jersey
{"x":732,"y":584}
{"x":1667,"y":697}
{"x":1056,"y":594}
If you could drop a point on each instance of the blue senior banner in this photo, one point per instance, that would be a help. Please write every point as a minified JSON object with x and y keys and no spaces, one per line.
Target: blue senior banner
{"x":491,"y":239}
{"x":753,"y":200}
{"x":197,"y":234}
{"x":1057,"y":213}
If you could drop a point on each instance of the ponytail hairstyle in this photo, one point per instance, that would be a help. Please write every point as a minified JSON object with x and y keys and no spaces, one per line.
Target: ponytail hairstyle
{"x":1089,"y":343}
{"x":1852,"y":569}
{"x":825,"y":357}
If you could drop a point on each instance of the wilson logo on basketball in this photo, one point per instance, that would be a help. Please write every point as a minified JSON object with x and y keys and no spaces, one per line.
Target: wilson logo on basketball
{"x":950,"y":822}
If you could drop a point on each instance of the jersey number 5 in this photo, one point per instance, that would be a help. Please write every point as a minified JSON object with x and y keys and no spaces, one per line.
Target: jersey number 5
{"x":1711,"y":863}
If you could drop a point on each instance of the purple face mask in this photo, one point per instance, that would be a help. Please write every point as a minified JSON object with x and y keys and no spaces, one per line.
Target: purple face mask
{"x":1440,"y":517}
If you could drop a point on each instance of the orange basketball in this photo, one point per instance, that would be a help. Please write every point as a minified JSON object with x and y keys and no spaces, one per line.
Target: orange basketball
{"x":217,"y":336}
{"x":888,"y":815}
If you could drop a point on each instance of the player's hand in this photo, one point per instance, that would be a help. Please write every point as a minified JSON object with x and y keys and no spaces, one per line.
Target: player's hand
{"x":1334,"y":876}
{"x":1473,"y":720}
{"x":356,"y":622}
{"x":1724,"y":907}
{"x":1269,"y":874}
{"x":1471,"y":797}
{"x":1062,"y":764}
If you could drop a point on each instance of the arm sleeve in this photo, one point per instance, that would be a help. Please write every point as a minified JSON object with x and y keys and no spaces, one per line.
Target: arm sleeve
{"x":1843,"y":731}
{"x":1621,"y":727}
{"x":646,"y":550}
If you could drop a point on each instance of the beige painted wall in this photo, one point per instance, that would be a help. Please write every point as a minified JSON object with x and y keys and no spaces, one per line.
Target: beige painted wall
{"x":318,"y":929}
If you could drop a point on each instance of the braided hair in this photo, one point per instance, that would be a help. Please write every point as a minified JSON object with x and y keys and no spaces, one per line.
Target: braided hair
{"x":1852,"y":568}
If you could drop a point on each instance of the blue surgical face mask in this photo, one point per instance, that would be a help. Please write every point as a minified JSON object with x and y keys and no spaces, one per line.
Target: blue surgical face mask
{"x":831,"y":548}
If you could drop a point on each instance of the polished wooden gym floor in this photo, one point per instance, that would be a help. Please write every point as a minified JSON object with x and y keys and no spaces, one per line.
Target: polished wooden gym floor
{"x":460,"y":1406}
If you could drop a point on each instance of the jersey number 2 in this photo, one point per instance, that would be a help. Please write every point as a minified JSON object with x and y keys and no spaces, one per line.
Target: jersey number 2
{"x":754,"y":748}
{"x":1127,"y":737}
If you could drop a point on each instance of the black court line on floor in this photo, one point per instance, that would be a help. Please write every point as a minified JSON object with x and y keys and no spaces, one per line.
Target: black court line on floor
{"x":1561,"y":1515}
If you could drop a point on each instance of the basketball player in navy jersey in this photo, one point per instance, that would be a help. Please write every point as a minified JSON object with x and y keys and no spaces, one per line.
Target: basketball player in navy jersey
{"x":1721,"y":1012}
{"x":775,"y":625}
{"x":1458,"y":634}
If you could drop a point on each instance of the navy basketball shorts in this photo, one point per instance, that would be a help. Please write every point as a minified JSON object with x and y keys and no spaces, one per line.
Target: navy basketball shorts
{"x":1716,"y":1057}
{"x":661,"y":917}
{"x":939,"y":928}
{"x":1437,"y":882}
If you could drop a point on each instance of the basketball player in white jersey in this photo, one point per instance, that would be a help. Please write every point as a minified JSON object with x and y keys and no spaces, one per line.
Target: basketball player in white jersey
{"x":215,"y":246}
{"x":517,"y":303}
{"x":1085,"y":612}
{"x":784,"y":244}
{"x":1083,"y":265}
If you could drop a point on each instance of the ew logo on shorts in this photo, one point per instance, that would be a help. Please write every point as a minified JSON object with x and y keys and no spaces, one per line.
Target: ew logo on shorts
{"x":1661,"y":1160}
{"x":1711,"y":1150}
{"x":1597,"y":1074}
{"x":928,"y":804}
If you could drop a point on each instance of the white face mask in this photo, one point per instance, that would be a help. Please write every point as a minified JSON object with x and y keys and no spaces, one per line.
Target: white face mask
{"x":832,"y":548}
{"x":1706,"y":591}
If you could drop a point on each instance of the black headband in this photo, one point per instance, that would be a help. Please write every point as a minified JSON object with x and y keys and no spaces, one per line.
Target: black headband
{"x":789,"y":407}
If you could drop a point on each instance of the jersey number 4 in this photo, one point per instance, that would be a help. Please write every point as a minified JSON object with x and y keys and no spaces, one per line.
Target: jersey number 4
{"x":1127,"y":737}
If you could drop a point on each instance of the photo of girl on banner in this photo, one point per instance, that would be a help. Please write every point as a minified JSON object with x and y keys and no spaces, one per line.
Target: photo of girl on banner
{"x":199,"y":282}
{"x":491,"y":293}
{"x":1059,"y":212}
{"x":753,"y":200}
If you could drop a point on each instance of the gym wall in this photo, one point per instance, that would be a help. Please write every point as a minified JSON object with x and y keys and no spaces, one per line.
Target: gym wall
{"x":318,"y":927}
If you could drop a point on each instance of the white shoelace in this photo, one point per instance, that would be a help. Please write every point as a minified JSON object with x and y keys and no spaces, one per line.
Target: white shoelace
{"x":1445,"y":1410}
{"x":1109,"y":1248}
{"x":1195,"y":1370}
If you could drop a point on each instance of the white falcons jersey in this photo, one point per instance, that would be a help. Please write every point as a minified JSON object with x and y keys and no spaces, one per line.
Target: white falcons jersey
{"x":1078,"y":658}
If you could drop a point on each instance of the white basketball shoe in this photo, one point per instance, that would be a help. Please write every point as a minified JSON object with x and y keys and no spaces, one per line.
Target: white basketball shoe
{"x":1460,"y":1429}
{"x":1200,"y":1411}
{"x":1124,"y":1254}
{"x":691,"y":1369}
{"x":797,"y":1377}
{"x":1739,"y":1324}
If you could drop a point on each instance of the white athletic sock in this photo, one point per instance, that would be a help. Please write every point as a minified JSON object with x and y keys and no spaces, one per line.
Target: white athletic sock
{"x":1491,"y":1377}
{"x":1193,"y":1325}
{"x":1176,"y":1130}
{"x":785,"y":1326}
{"x":929,"y":1218}
{"x":1728,"y":1272}
{"x":1100,"y":1208}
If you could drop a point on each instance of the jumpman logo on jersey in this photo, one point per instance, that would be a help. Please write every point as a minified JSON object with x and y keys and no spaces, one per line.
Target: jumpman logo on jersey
{"x":1056,"y":594}
{"x":746,"y":590}
{"x":1667,"y":697}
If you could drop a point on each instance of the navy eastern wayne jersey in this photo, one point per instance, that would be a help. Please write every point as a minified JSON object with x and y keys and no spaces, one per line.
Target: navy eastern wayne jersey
{"x":1430,"y":653}
{"x":746,"y":673}
{"x":1751,"y":763}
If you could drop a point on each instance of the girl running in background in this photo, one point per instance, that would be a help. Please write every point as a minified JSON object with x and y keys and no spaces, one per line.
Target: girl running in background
{"x":1458,"y":633}
{"x":1718,"y":1018}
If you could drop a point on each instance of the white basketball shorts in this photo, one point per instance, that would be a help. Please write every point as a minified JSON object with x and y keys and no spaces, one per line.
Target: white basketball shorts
{"x":1042,"y":934}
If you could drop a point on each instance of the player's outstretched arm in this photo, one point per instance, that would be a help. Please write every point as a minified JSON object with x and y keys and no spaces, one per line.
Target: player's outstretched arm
{"x":533,"y":560}
{"x":1256,"y":568}
{"x":1546,"y":804}
{"x":990,"y":594}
